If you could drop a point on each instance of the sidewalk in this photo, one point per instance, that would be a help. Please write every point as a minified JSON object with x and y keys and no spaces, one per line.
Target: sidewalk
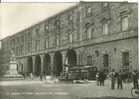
{"x":87,"y":90}
{"x":92,"y":90}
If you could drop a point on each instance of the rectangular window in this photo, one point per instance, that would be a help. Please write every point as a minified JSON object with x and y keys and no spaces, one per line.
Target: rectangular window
{"x":70,"y":37}
{"x":106,"y":60}
{"x":36,"y":45}
{"x":57,"y":40}
{"x":90,"y":32}
{"x":46,"y":28}
{"x":29,"y":46}
{"x":88,"y":11}
{"x":47,"y":44}
{"x":52,"y":42}
{"x":44,"y":44}
{"x":39,"y":44}
{"x":125,"y":58}
{"x":97,"y":53}
{"x":105,"y":28}
{"x":89,"y":60}
{"x":70,"y":19}
{"x":22,"y":49}
{"x":124,"y":23}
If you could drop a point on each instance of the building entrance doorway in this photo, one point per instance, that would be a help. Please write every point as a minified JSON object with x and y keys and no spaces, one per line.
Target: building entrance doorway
{"x":106,"y":62}
{"x":46,"y":65}
{"x":58,"y":65}
{"x":71,"y":57}
{"x":37,"y":65}
{"x":29,"y":65}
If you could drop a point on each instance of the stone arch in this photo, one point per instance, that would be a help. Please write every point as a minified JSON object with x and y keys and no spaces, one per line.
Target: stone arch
{"x":46,"y":64}
{"x":29,"y":65}
{"x":106,"y":62}
{"x":106,"y":59}
{"x":83,"y":56}
{"x":71,"y":57}
{"x":37,"y":65}
{"x":58,"y":65}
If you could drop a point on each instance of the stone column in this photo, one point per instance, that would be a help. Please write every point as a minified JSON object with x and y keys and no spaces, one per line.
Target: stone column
{"x":52,"y":62}
{"x":42,"y":62}
{"x":33,"y":46}
{"x":25,"y":64}
{"x":33,"y":63}
{"x":63,"y":58}
{"x":77,"y":57}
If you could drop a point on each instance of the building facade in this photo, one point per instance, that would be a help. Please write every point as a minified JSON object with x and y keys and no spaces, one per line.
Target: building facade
{"x":104,"y":35}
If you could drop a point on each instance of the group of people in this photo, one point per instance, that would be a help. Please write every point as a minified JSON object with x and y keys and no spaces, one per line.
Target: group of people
{"x":119,"y":76}
{"x":135,"y":79}
{"x":100,"y":77}
{"x":116,"y":78}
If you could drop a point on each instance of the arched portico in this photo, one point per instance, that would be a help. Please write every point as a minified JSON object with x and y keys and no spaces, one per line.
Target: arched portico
{"x":58,"y":65}
{"x":46,"y":64}
{"x":37,"y":65}
{"x":71,"y":57}
{"x":29,"y":65}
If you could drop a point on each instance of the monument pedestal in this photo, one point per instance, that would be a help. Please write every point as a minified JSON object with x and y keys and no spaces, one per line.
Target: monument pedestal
{"x":12,"y":71}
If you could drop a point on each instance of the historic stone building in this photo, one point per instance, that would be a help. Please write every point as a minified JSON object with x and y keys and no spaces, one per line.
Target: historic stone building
{"x":104,"y":35}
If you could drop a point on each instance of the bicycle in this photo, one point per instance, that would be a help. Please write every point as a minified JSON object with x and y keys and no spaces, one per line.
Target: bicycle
{"x":135,"y":92}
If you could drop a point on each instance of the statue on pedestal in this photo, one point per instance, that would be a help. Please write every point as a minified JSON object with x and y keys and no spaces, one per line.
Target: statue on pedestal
{"x":13,"y":64}
{"x":12,"y":67}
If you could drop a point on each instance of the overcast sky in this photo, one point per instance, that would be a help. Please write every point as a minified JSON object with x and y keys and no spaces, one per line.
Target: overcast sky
{"x":16,"y":16}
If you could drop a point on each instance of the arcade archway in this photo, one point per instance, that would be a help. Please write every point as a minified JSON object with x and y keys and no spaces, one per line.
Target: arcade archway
{"x":37,"y":65}
{"x":57,"y":63}
{"x":29,"y":65}
{"x":46,"y":64}
{"x":71,"y":57}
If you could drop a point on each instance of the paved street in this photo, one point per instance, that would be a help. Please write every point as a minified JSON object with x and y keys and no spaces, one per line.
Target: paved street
{"x":60,"y":90}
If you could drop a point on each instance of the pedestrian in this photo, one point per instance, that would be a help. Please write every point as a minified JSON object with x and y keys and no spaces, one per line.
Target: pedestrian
{"x":112,"y":75}
{"x":31,"y":76}
{"x":119,"y":80}
{"x":135,"y":78}
{"x":102,"y":78}
{"x":97,"y":78}
{"x":44,"y":75}
{"x":24,"y":75}
{"x":41,"y":76}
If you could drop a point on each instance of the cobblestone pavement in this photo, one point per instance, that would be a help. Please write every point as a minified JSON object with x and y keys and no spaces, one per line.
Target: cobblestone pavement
{"x":61,"y":90}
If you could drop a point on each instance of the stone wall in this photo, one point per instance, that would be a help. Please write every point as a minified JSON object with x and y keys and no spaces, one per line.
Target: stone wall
{"x":114,"y":50}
